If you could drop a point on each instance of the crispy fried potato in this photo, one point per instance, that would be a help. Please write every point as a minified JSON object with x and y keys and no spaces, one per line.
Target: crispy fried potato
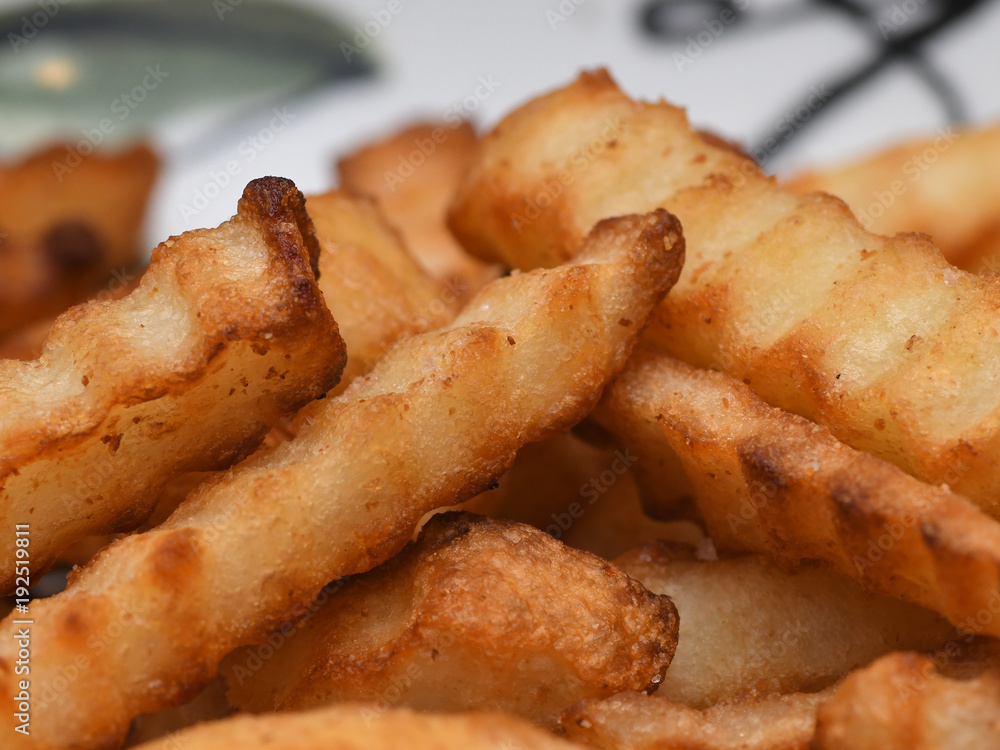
{"x":904,"y":702}
{"x":634,"y":721}
{"x":770,"y":482}
{"x":879,"y":339}
{"x":438,"y":420}
{"x":374,"y":288}
{"x":748,"y":626}
{"x":372,"y":285}
{"x":355,"y":726}
{"x":415,"y":195}
{"x":476,"y":614}
{"x":64,"y":231}
{"x":377,"y":294}
{"x":226,"y":332}
{"x":947,"y":186}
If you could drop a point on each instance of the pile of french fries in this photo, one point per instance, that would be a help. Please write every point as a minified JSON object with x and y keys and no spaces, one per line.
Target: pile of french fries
{"x":588,"y":433}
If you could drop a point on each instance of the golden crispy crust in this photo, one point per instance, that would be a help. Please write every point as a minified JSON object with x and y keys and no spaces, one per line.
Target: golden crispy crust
{"x":946,"y":186}
{"x":226,"y":332}
{"x":438,"y":420}
{"x":370,"y":282}
{"x":633,"y":721}
{"x":770,"y":482}
{"x":63,"y":233}
{"x":748,"y":626}
{"x":908,"y":701}
{"x":476,"y":614}
{"x":879,"y":339}
{"x":365,"y":727}
{"x":413,"y":175}
{"x":376,"y":293}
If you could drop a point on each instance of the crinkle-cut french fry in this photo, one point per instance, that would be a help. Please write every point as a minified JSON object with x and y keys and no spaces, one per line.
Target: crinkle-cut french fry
{"x":438,"y":420}
{"x":65,"y":232}
{"x":226,"y":333}
{"x":377,"y":294}
{"x":476,"y":614}
{"x":879,"y":339}
{"x":748,"y":626}
{"x":365,"y":726}
{"x":946,"y":185}
{"x":372,"y":285}
{"x":634,"y":721}
{"x":413,"y":175}
{"x":771,"y":482}
{"x":375,"y":290}
{"x":908,"y":701}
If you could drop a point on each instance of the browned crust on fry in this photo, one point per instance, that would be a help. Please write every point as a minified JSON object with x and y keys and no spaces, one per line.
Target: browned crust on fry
{"x":238,"y":303}
{"x":771,"y":482}
{"x":437,"y":420}
{"x":908,"y":701}
{"x":944,"y":186}
{"x":476,"y":614}
{"x":879,"y":339}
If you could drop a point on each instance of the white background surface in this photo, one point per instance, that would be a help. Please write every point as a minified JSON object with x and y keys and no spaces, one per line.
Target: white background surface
{"x":433,"y":52}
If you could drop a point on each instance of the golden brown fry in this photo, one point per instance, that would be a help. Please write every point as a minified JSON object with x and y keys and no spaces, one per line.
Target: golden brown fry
{"x":356,"y":726}
{"x":903,"y":702}
{"x":747,"y":626}
{"x":633,"y":721}
{"x":377,"y":295}
{"x":438,"y":419}
{"x":226,"y":332}
{"x":413,"y":175}
{"x":771,"y":482}
{"x":476,"y":614}
{"x":63,"y":232}
{"x":375,"y":290}
{"x":947,"y":186}
{"x":879,"y":339}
